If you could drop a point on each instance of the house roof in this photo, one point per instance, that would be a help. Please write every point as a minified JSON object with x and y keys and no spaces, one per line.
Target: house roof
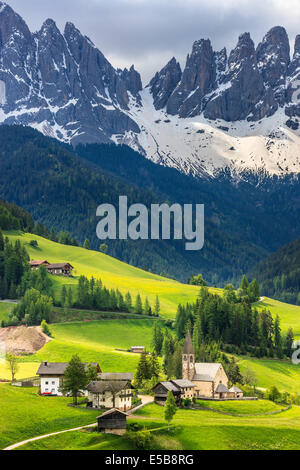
{"x":128,"y":376}
{"x":169,"y":386}
{"x":137,"y":347}
{"x":58,"y":368}
{"x":235,"y":389}
{"x":113,"y":410}
{"x":101,"y":386}
{"x":221,"y":389}
{"x":59,"y":265}
{"x":38,"y":263}
{"x":182,"y":383}
{"x":188,"y":345}
{"x":205,"y":371}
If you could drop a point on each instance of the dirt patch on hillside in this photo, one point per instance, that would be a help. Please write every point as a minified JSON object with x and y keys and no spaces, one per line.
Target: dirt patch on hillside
{"x":20,"y":340}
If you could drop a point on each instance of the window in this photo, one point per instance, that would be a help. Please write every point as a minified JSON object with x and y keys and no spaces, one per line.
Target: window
{"x":184,"y":358}
{"x":46,"y":383}
{"x":53,"y":383}
{"x":191,"y":358}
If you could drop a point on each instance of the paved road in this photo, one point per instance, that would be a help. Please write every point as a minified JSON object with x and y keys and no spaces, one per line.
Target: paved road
{"x":8,"y":301}
{"x":146,"y":400}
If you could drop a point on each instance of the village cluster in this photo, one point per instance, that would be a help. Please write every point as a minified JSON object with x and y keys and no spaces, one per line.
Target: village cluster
{"x":114,"y":391}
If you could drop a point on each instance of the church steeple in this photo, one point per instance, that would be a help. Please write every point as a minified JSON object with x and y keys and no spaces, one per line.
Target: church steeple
{"x":188,"y":358}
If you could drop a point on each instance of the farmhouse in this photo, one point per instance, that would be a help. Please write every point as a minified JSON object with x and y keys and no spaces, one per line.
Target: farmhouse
{"x":37,"y":264}
{"x":210,"y":379}
{"x":162,"y":389}
{"x":116,"y":394}
{"x":52,"y":376}
{"x":60,"y":269}
{"x":112,"y":422}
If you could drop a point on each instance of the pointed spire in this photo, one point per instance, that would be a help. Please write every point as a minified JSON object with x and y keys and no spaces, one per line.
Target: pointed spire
{"x":188,"y":345}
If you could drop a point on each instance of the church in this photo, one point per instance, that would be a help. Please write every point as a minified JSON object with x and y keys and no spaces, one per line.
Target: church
{"x":209,"y":379}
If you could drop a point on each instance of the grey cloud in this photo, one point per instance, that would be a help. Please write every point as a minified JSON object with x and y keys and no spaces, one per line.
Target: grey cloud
{"x":149,"y":32}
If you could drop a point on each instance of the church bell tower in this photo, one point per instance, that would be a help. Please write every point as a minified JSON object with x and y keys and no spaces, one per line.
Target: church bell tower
{"x":188,"y":359}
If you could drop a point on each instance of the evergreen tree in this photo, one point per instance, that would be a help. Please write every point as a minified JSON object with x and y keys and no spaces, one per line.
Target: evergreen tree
{"x":128,"y":302}
{"x":87,"y":245}
{"x":157,"y":339}
{"x":143,"y":371}
{"x":138,"y":307}
{"x":170,"y":408}
{"x":157,"y":307}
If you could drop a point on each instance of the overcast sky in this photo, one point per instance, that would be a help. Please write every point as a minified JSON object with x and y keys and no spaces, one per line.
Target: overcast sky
{"x":149,"y":32}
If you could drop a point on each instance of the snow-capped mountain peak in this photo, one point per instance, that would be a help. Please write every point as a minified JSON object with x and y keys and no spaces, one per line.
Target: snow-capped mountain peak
{"x":239,"y":110}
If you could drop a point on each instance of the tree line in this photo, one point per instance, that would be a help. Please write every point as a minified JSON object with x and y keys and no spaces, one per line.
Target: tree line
{"x":236,"y":325}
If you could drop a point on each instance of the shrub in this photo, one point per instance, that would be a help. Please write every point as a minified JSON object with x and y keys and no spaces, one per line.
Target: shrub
{"x":142,"y":440}
{"x":34,"y":243}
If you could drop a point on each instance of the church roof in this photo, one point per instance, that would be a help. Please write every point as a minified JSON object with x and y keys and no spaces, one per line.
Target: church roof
{"x":205,"y":371}
{"x":188,"y":345}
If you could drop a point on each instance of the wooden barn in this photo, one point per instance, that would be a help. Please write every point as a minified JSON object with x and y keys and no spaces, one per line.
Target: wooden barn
{"x":60,"y":269}
{"x":112,"y":422}
{"x":162,"y":389}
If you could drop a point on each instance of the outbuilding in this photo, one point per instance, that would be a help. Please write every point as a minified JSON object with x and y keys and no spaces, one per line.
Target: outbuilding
{"x":112,"y":422}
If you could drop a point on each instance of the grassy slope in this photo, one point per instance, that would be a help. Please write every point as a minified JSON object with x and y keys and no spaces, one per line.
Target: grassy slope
{"x":114,"y":273}
{"x":289,"y":314}
{"x":283,"y":374}
{"x":193,"y":430}
{"x":24,"y":414}
{"x":97,"y":341}
{"x":93,"y":341}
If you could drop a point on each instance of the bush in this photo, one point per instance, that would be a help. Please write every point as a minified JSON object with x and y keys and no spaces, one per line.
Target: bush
{"x":142,"y":440}
{"x":34,"y":243}
{"x":45,"y":328}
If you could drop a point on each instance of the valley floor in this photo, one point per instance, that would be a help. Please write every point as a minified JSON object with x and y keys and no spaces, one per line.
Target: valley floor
{"x":190,"y":429}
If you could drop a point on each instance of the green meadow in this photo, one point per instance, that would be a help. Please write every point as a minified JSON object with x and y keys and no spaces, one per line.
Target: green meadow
{"x":112,"y":272}
{"x":284,"y":374}
{"x":25,"y":414}
{"x":194,"y":430}
{"x":95,"y":341}
{"x":289,"y":314}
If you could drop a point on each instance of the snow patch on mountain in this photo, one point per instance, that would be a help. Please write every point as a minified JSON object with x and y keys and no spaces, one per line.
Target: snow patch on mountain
{"x":201,"y":146}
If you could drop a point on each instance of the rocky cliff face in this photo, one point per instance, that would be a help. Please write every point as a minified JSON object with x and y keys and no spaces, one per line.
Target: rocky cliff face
{"x":240,"y":109}
{"x":61,"y":83}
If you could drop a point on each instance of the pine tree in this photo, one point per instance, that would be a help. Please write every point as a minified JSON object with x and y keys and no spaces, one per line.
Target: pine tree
{"x":170,"y":408}
{"x":157,"y":339}
{"x":143,"y":371}
{"x":138,"y":307}
{"x":254,"y":291}
{"x":154,"y":366}
{"x":244,"y":285}
{"x":128,"y":302}
{"x":157,"y":307}
{"x":87,"y":245}
{"x":277,"y":337}
{"x":147,"y":308}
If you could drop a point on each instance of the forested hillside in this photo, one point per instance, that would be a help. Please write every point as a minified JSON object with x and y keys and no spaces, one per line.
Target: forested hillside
{"x":62,"y":191}
{"x":279,"y":274}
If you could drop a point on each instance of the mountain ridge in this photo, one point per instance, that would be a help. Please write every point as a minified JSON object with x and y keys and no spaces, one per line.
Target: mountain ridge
{"x":236,"y":111}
